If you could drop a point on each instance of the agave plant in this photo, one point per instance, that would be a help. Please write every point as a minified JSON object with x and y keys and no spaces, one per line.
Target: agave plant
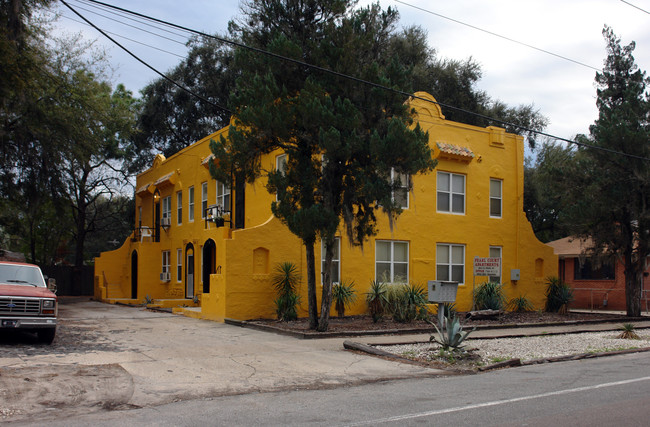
{"x":343,"y":295}
{"x":377,"y":300}
{"x":628,"y":333}
{"x":450,"y":332}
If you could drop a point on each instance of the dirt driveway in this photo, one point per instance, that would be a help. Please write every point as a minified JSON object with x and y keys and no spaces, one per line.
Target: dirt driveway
{"x":108,"y":357}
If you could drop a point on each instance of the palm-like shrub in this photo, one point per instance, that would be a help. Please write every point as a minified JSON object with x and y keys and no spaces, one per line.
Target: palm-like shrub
{"x":343,"y":295}
{"x":489,"y":296}
{"x":520,"y":304}
{"x":558,"y":295}
{"x":407,"y":302}
{"x":377,"y":300}
{"x":285,"y":280}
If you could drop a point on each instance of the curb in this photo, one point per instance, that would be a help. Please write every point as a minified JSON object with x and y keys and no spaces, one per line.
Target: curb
{"x":342,"y":334}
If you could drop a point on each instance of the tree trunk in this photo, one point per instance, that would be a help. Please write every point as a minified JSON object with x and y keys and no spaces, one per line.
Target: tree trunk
{"x":326,"y":299}
{"x":633,"y":286}
{"x":312,"y":306}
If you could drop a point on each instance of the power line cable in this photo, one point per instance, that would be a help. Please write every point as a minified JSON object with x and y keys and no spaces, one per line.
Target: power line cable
{"x":127,"y":38}
{"x":636,"y":7}
{"x":145,"y":63}
{"x":369,"y":83}
{"x":132,"y":26}
{"x":498,"y":35}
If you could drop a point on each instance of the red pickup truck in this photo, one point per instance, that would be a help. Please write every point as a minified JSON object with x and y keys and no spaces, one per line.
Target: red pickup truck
{"x":26,"y":303}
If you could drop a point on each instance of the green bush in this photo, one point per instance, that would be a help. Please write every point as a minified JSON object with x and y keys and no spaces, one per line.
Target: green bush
{"x":407,"y":302}
{"x":343,"y":295}
{"x":377,"y":300}
{"x":558,"y":295}
{"x":285,"y":280}
{"x":489,"y":296}
{"x":520,"y":304}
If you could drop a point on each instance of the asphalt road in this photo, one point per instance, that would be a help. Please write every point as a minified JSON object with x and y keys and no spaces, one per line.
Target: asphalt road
{"x":610,"y":391}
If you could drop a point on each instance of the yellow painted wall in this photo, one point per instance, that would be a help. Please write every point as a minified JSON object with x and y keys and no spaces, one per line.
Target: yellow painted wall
{"x":241,"y":287}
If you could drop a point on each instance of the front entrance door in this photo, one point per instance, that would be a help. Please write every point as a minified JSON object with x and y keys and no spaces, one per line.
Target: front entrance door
{"x":189,"y":271}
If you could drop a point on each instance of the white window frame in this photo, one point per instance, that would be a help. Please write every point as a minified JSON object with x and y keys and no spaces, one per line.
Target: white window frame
{"x":493,"y":254}
{"x":281,"y":166}
{"x":165,"y":261}
{"x":204,"y":198}
{"x":179,"y":265}
{"x":448,"y":247}
{"x":498,"y":197}
{"x":167,"y":208}
{"x":223,"y":196}
{"x":336,"y":260}
{"x":403,"y":187}
{"x":449,"y":193}
{"x":179,"y":207}
{"x":190,"y":204}
{"x":392,"y":261}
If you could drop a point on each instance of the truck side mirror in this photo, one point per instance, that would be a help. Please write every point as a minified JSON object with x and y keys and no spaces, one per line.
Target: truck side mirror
{"x":51,"y":284}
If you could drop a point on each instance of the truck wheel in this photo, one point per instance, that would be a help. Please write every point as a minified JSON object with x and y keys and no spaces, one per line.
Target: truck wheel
{"x":46,"y":336}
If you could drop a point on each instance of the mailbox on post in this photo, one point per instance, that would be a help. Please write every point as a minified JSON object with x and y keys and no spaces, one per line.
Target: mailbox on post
{"x":441,"y":291}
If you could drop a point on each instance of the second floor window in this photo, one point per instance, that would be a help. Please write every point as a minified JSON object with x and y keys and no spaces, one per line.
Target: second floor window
{"x":401,"y":193}
{"x":495,"y":198}
{"x":204,"y":199}
{"x":167,"y":210}
{"x":190,"y":204}
{"x":223,"y":196}
{"x":451,"y":193}
{"x":179,"y":207}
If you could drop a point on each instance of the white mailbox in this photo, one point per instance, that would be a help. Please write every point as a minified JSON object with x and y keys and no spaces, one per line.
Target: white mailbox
{"x":440,"y":291}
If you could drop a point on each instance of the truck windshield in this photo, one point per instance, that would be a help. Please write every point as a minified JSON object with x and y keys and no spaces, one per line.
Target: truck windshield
{"x":21,"y":275}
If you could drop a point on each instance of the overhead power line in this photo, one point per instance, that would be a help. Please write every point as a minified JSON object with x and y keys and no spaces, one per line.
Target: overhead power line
{"x":636,"y":7}
{"x":498,"y":35}
{"x":345,"y":76}
{"x":145,"y":63}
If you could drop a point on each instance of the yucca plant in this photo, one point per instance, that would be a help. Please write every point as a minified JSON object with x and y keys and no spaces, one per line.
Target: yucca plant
{"x":558,"y":295}
{"x":520,"y":304}
{"x":377,"y":300}
{"x":407,"y":302}
{"x":285,"y":280}
{"x":489,"y":296}
{"x":628,"y":332}
{"x":343,"y":295}
{"x":450,"y":332}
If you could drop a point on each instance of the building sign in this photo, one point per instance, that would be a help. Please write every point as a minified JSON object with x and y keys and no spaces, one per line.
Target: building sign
{"x":487,"y":266}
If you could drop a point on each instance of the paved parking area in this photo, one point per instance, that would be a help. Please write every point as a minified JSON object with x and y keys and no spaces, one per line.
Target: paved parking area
{"x":108,"y":357}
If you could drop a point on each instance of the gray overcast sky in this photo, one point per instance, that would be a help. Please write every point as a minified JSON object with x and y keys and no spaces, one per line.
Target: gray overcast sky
{"x":562,"y":90}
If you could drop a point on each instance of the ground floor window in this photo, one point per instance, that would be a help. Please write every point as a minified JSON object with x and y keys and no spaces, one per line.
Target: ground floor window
{"x":495,"y":252}
{"x":587,"y":270}
{"x":392,"y":261}
{"x":164,"y":271}
{"x":336,"y":260}
{"x":179,"y":265}
{"x":450,"y":262}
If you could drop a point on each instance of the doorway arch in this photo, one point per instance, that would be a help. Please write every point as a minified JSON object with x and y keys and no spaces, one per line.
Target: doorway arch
{"x":209,"y":263}
{"x":134,"y":275}
{"x":189,"y":271}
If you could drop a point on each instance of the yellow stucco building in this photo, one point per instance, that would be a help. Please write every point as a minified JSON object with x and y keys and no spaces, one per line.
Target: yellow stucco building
{"x":470,"y":206}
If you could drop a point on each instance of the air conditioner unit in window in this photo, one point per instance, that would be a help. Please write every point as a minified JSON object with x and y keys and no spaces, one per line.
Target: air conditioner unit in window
{"x":165,"y":277}
{"x":165,"y":222}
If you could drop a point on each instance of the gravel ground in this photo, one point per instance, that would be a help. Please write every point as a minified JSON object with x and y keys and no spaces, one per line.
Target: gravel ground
{"x":528,"y":348}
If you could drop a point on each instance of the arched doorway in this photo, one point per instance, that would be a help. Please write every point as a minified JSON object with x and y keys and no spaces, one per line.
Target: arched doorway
{"x":189,"y":271}
{"x":209,"y":263}
{"x":134,"y":275}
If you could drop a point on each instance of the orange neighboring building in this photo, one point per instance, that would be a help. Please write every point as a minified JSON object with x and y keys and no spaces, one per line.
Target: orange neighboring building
{"x":594,"y":286}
